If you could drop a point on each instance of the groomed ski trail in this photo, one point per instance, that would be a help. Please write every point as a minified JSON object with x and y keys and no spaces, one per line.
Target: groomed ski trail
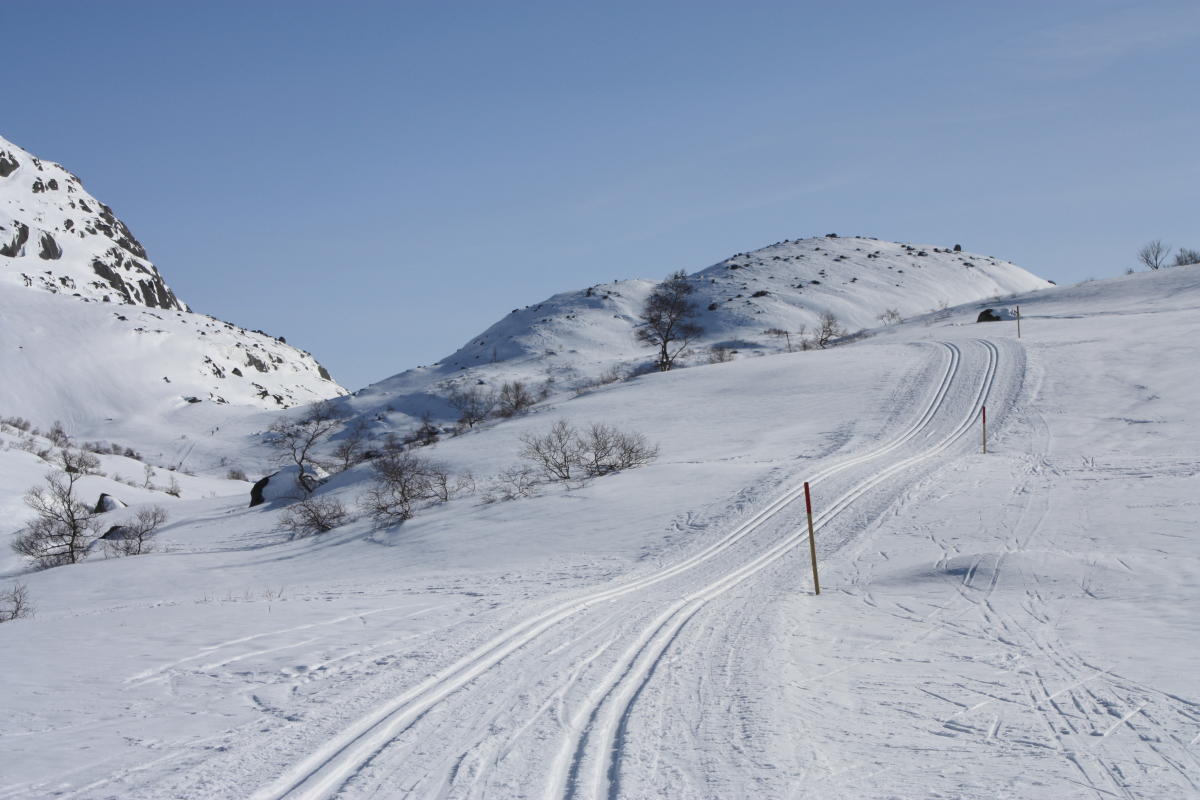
{"x":590,"y":745}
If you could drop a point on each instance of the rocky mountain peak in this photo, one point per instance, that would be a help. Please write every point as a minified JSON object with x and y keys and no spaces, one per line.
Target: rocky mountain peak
{"x":58,"y":238}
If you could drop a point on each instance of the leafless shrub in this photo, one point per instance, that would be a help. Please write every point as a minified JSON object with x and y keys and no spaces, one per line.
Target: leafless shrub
{"x":58,"y":435}
{"x":719,"y":354}
{"x":351,"y":446}
{"x":173,"y":487}
{"x":426,"y":433}
{"x":564,"y":454}
{"x":20,"y":423}
{"x":445,"y":487}
{"x":1153,"y":254}
{"x":1187,"y":256}
{"x":14,"y":602}
{"x":890,"y":316}
{"x":474,"y":404}
{"x":401,"y":481}
{"x":236,"y":474}
{"x":512,"y":483}
{"x":555,"y":453}
{"x":79,"y":462}
{"x":133,"y":538}
{"x":828,"y":329}
{"x":64,"y":527}
{"x":311,"y":516}
{"x":514,"y":399}
{"x":780,"y":333}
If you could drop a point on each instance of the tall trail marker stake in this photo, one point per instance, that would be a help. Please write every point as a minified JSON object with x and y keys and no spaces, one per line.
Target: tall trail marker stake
{"x":812,"y":543}
{"x":1018,"y":322}
{"x":985,"y":430}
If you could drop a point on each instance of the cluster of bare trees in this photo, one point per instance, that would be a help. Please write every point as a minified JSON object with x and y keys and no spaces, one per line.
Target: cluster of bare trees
{"x":402,"y":481}
{"x":476,"y":404}
{"x":1155,"y":255}
{"x":826,"y":332}
{"x":64,"y":527}
{"x":566,"y":454}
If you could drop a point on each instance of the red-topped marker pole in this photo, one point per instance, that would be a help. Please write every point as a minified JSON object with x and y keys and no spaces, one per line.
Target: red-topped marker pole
{"x":985,"y":430}
{"x":812,"y":543}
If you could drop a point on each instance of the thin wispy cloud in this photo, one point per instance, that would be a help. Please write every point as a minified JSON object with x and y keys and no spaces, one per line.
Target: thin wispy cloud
{"x":1099,"y":41}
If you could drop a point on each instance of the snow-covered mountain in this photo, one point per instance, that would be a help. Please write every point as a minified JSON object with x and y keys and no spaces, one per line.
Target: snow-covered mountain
{"x":576,"y":336}
{"x":91,"y":334}
{"x":56,"y":237}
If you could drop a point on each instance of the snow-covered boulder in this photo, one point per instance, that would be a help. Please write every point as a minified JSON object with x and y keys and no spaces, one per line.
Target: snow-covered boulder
{"x":106,"y":502}
{"x":998,"y":314}
{"x":284,"y":485}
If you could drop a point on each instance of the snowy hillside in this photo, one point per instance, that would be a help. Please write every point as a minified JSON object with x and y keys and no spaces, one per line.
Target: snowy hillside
{"x":578,"y":336}
{"x":1016,"y":624}
{"x":91,"y":335}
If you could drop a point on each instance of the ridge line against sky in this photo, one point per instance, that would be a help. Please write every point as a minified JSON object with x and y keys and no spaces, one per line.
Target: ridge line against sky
{"x":379,"y":182}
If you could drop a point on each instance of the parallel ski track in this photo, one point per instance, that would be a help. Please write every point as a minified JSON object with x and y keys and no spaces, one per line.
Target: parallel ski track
{"x":322,"y":773}
{"x":589,"y":765}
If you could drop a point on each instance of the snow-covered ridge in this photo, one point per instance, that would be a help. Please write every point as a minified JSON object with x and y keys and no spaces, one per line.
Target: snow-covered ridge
{"x":578,"y":335}
{"x":56,"y":237}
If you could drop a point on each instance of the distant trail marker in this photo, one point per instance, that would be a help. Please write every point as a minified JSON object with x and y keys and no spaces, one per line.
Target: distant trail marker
{"x":985,"y":430}
{"x":812,"y":543}
{"x":1018,"y":322}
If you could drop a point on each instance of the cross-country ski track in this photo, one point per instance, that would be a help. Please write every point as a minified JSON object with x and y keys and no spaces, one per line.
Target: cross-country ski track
{"x":584,"y":761}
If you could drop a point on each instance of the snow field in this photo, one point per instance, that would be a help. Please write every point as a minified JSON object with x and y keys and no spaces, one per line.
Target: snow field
{"x":1016,"y":624}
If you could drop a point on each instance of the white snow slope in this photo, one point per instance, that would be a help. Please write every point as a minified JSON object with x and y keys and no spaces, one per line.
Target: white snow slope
{"x":575,"y":337}
{"x":91,"y":335}
{"x":1017,"y":624}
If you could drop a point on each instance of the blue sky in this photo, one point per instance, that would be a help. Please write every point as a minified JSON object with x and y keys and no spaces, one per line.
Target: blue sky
{"x":379,"y":181}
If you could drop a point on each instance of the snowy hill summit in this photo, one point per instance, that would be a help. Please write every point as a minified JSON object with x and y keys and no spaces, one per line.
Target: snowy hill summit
{"x":56,"y":237}
{"x":92,"y":335}
{"x":745,"y":303}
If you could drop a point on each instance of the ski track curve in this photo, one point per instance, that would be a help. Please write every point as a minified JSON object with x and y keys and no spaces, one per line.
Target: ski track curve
{"x":324,"y":771}
{"x":589,"y":766}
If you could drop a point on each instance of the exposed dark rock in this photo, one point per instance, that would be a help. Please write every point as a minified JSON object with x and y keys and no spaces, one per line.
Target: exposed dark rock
{"x":121,"y":234}
{"x":958,"y":248}
{"x":50,"y":250}
{"x":324,"y":373}
{"x":256,"y":492}
{"x":106,"y":502}
{"x":8,"y":163}
{"x":988,"y":315}
{"x":112,"y":279}
{"x":15,"y":247}
{"x":256,"y":362}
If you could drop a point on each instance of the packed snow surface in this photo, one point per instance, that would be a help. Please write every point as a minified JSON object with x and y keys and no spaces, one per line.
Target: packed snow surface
{"x":1015,"y":624}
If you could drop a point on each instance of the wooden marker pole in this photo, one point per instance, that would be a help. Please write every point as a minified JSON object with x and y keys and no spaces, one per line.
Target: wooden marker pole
{"x":1018,"y":322}
{"x":812,"y":543}
{"x":985,"y":430}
